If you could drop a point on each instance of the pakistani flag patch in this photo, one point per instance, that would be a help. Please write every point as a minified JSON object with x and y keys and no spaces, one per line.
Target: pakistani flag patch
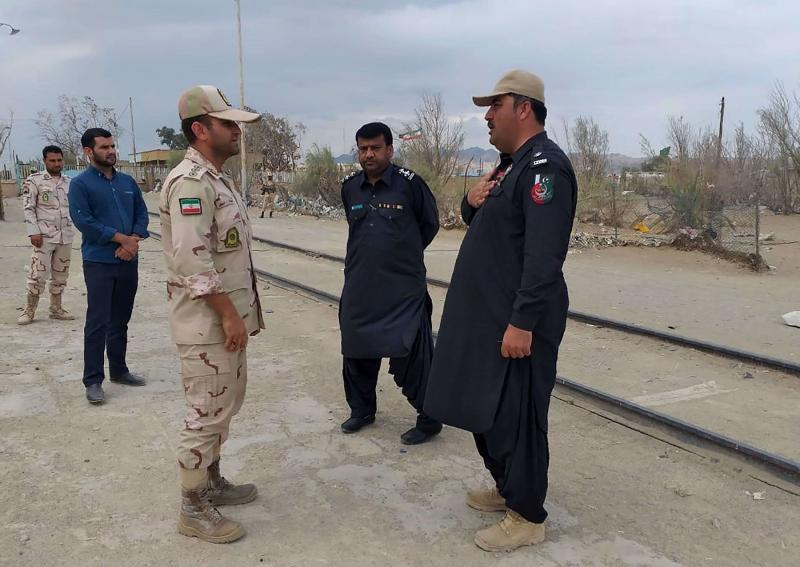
{"x":542,"y":190}
{"x":191,"y":206}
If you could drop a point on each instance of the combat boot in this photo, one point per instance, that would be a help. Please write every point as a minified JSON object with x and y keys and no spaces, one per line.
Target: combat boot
{"x":58,"y":312}
{"x":221,"y":492}
{"x":200,"y":519}
{"x":488,"y":500}
{"x":512,"y":532}
{"x":29,"y":311}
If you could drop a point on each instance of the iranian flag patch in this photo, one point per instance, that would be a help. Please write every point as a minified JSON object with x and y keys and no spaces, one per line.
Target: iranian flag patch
{"x":191,"y":206}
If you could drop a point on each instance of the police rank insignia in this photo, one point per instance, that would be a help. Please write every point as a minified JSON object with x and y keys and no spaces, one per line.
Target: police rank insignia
{"x":232,"y":238}
{"x":542,"y":190}
{"x":191,"y":206}
{"x":407,"y":173}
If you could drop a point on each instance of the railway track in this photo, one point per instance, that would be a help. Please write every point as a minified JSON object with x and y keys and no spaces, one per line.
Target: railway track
{"x":783,"y":466}
{"x":589,"y":318}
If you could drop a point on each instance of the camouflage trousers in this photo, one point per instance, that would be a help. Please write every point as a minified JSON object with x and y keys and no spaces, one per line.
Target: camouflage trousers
{"x":214,"y":381}
{"x":50,"y":261}
{"x":268,"y":203}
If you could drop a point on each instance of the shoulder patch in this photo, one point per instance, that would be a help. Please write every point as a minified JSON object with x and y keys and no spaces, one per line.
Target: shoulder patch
{"x":196,"y":172}
{"x":407,"y":173}
{"x":542,"y":190}
{"x":349,"y":176}
{"x":191,"y":206}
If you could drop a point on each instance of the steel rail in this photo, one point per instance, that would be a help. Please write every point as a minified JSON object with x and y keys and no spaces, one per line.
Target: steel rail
{"x":747,"y":450}
{"x":631,"y":328}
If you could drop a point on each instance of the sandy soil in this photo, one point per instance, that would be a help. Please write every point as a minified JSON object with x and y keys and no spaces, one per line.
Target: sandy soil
{"x":98,"y":485}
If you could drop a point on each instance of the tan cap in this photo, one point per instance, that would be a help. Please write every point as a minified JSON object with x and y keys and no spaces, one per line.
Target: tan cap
{"x":516,"y":82}
{"x":205,"y":99}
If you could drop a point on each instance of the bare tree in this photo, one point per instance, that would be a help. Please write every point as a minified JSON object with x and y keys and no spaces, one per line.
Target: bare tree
{"x":322,"y":176}
{"x":680,"y":135}
{"x":277,"y":140}
{"x":434,"y":152}
{"x":5,"y":134}
{"x":780,"y":125}
{"x":273,"y":144}
{"x":588,"y":146}
{"x":73,"y":117}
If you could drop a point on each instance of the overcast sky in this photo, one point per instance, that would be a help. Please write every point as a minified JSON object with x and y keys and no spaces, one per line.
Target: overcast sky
{"x":337,"y":64}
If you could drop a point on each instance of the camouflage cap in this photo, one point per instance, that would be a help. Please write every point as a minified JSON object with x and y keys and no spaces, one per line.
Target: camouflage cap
{"x":514,"y":82}
{"x":205,"y":99}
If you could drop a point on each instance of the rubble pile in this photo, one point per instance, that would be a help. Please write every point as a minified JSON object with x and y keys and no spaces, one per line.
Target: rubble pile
{"x":300,"y":205}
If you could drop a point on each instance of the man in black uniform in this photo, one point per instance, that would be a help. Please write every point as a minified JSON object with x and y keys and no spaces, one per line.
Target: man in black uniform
{"x":505,"y":312}
{"x":385,"y":311}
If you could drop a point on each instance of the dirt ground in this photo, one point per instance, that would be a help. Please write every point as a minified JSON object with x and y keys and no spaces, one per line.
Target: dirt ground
{"x":98,"y":485}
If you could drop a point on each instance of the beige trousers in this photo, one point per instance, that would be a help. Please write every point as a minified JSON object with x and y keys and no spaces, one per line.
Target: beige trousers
{"x":214,"y":381}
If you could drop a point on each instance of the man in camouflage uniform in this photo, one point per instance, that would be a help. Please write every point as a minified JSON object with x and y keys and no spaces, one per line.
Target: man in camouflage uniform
{"x":50,"y":229}
{"x":213,"y":303}
{"x":268,"y":191}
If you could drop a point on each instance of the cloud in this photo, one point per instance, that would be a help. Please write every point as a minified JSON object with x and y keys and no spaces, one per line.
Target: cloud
{"x":335,"y":65}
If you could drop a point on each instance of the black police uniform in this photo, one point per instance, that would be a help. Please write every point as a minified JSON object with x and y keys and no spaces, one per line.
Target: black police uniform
{"x":385,"y":310}
{"x":508,"y":271}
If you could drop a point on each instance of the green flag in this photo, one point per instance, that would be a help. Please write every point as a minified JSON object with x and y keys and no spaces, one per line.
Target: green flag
{"x":664,"y":152}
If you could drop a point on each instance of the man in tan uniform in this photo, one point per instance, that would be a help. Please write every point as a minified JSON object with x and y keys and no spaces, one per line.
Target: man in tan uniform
{"x":213,"y":303}
{"x":49,"y":227}
{"x":268,"y":191}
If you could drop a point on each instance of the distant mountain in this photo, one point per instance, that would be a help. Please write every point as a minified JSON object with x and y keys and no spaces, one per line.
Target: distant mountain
{"x":617,"y":162}
{"x":344,"y":159}
{"x":477,"y":155}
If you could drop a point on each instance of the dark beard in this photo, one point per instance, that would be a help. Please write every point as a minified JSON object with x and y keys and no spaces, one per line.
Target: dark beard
{"x":103,"y":162}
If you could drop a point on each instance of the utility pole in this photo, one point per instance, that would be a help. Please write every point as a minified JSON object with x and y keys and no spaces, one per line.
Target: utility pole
{"x":719,"y":137}
{"x":133,"y":132}
{"x":242,"y":147}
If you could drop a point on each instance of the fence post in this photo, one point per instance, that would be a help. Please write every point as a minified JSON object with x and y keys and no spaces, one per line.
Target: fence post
{"x":614,"y":208}
{"x":758,"y":227}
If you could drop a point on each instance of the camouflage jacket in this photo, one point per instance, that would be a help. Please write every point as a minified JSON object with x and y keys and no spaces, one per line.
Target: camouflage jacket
{"x":44,"y":201}
{"x":207,"y":245}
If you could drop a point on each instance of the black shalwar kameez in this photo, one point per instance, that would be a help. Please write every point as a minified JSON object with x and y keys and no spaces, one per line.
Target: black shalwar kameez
{"x":508,"y":271}
{"x":385,"y":310}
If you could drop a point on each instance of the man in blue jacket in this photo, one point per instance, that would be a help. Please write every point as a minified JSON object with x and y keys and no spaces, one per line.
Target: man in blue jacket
{"x":107,"y":207}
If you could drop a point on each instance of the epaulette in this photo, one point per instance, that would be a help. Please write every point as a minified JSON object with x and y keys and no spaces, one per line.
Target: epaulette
{"x":196,"y":172}
{"x":407,"y":173}
{"x":349,"y":176}
{"x":538,"y":159}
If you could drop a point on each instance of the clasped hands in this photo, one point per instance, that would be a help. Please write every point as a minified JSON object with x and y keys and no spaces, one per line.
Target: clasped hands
{"x":128,"y":247}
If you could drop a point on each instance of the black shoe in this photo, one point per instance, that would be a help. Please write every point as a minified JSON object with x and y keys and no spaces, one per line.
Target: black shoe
{"x":128,"y":379}
{"x":415,"y":436}
{"x":355,"y":423}
{"x":270,"y":214}
{"x":94,"y":393}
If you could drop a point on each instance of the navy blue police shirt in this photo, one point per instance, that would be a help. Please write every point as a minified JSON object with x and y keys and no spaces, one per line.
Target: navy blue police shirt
{"x":390,"y":225}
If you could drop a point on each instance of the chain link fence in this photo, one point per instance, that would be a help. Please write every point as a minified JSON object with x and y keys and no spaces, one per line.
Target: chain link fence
{"x":643,"y":209}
